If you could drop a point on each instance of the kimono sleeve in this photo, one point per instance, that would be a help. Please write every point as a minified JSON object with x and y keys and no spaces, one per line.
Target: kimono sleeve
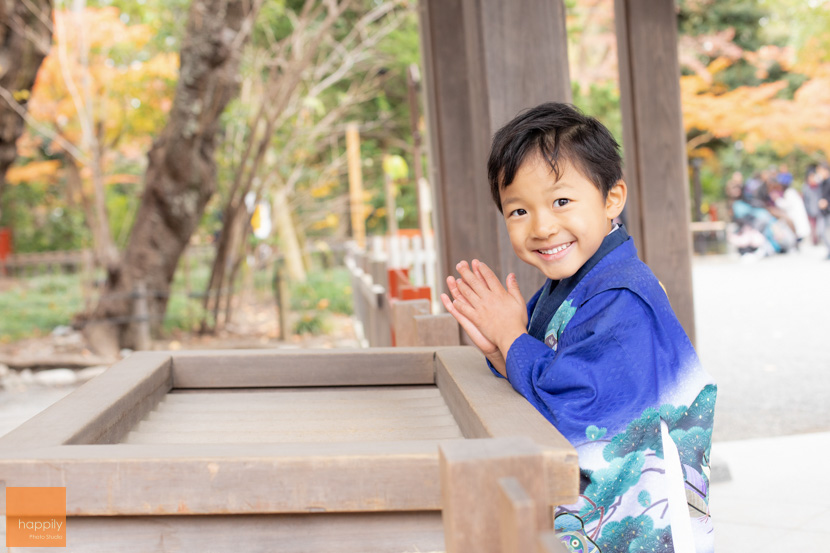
{"x":602,"y":374}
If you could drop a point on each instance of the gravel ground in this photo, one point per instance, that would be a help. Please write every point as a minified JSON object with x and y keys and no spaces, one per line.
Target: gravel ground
{"x":21,"y":403}
{"x":763,"y":332}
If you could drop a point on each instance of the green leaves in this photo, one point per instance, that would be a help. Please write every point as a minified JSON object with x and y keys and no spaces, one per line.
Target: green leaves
{"x":593,"y":433}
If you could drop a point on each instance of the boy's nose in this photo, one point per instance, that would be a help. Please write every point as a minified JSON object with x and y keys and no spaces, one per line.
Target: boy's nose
{"x":545,"y":226}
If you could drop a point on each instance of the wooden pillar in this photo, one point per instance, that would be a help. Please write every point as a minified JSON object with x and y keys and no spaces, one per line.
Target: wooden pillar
{"x":485,"y":61}
{"x":391,"y":205}
{"x":655,"y":147}
{"x":355,"y":184}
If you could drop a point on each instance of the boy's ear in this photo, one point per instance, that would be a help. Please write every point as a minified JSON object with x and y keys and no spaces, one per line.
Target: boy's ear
{"x":615,"y":201}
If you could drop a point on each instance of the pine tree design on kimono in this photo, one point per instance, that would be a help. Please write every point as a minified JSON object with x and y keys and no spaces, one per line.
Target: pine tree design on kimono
{"x":593,"y":527}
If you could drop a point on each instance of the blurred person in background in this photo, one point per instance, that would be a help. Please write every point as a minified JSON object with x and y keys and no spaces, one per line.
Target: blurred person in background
{"x":790,"y":204}
{"x":811,"y":192}
{"x":758,"y":232}
{"x":823,"y":221}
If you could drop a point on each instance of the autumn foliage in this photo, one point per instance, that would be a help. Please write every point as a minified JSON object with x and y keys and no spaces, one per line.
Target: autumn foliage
{"x":98,"y":74}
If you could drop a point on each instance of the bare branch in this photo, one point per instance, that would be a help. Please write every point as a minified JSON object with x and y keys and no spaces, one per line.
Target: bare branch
{"x":247,"y":26}
{"x":345,"y":46}
{"x":42,"y":129}
{"x":43,"y":17}
{"x":63,"y":62}
{"x":350,"y":54}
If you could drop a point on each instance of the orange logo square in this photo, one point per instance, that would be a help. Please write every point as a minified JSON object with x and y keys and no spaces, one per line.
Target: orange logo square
{"x":35,"y":517}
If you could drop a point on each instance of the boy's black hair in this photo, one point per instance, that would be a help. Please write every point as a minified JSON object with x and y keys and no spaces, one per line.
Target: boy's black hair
{"x":556,"y":131}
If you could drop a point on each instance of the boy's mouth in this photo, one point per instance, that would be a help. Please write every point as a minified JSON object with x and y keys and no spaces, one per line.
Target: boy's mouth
{"x":556,"y":252}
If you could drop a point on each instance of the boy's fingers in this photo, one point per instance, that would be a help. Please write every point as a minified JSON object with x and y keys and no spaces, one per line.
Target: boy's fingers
{"x":513,"y":288}
{"x":453,"y":306}
{"x":488,"y":275}
{"x":445,"y":299}
{"x":453,"y":309}
{"x":452,"y":284}
{"x":474,"y":283}
{"x":468,"y":294}
{"x":472,"y":331}
{"x":476,"y":267}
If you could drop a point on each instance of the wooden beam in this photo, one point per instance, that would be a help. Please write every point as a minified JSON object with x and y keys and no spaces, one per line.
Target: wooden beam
{"x":485,"y":60}
{"x":655,"y":147}
{"x":288,"y":368}
{"x":487,"y":407}
{"x":188,"y":479}
{"x":103,"y":409}
{"x":411,"y":532}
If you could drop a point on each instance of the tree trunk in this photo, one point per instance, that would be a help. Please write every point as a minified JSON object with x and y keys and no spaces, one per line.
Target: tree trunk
{"x":234,"y":220}
{"x":25,"y":39}
{"x":289,"y":244}
{"x":181,"y":174}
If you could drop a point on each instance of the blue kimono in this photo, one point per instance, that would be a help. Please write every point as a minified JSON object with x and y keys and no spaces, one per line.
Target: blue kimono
{"x":606,"y":361}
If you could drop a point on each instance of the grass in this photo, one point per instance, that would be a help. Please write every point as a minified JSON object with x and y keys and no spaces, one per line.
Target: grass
{"x":322,"y":293}
{"x":34,"y":306}
{"x":329,"y":290}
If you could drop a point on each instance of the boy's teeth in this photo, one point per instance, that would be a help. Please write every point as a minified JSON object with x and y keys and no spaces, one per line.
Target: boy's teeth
{"x":555,"y":250}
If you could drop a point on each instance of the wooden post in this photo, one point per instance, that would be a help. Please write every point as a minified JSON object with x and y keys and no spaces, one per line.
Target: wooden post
{"x":358,"y":300}
{"x":87,"y":278}
{"x":697,"y":214}
{"x":381,"y":315}
{"x":437,"y":330}
{"x":413,"y":81}
{"x":403,"y":321}
{"x":657,"y":210}
{"x":391,"y":209}
{"x":187,"y":289}
{"x":485,"y":61}
{"x":142,"y":317}
{"x":355,"y":184}
{"x":282,"y":297}
{"x":548,"y":542}
{"x":470,"y":473}
{"x":517,"y":516}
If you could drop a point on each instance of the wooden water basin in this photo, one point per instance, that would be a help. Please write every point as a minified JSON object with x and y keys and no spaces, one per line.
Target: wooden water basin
{"x":271,"y":450}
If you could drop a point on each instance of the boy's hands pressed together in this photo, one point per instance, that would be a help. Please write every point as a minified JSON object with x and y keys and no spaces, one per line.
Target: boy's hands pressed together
{"x":492,"y":315}
{"x":481,"y":342}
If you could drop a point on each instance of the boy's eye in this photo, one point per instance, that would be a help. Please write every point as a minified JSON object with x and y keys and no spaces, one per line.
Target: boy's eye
{"x":517,"y":212}
{"x":561,"y":202}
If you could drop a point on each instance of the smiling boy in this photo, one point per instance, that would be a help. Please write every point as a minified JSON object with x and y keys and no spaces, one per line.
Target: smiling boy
{"x":597,"y":350}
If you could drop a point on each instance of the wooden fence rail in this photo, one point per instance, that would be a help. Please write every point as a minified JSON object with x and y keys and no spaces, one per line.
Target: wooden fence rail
{"x":390,"y":307}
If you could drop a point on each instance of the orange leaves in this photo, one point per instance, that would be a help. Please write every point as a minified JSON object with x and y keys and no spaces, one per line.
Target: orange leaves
{"x":737,"y":112}
{"x":102,"y":28}
{"x":759,"y":115}
{"x":34,"y":171}
{"x":100,"y":76}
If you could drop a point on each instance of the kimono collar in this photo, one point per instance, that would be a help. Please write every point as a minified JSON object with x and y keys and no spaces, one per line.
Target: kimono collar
{"x":554,"y":292}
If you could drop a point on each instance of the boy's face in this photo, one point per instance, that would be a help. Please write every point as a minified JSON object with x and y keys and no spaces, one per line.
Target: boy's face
{"x":556,"y":226}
